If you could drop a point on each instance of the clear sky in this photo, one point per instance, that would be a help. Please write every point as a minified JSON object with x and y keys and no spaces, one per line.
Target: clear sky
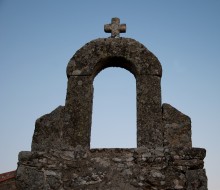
{"x":37,"y":39}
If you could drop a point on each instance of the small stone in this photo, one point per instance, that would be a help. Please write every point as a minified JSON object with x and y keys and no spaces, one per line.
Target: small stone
{"x":83,"y":182}
{"x":176,"y":157}
{"x":180,"y":167}
{"x":76,"y":72}
{"x":161,"y":149}
{"x":157,"y":174}
{"x":159,"y":159}
{"x":121,"y":165}
{"x":127,"y":172}
{"x":44,"y":160}
{"x":47,"y":172}
{"x":129,"y":164}
{"x":166,"y":150}
{"x":116,"y":159}
{"x":146,"y":155}
{"x":130,"y":159}
{"x":80,"y":83}
{"x":140,"y":184}
{"x":95,"y":177}
{"x":159,"y":153}
{"x":177,"y":185}
{"x":85,"y":155}
{"x":162,"y":182}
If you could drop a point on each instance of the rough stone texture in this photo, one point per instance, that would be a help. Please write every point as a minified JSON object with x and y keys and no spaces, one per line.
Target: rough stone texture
{"x":196,"y":179}
{"x":61,"y":157}
{"x":140,"y":168}
{"x":177,"y":128}
{"x":109,"y":52}
{"x":48,"y":132}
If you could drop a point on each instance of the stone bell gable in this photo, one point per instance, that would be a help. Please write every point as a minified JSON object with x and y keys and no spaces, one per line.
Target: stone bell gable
{"x":61,"y":157}
{"x":75,"y":128}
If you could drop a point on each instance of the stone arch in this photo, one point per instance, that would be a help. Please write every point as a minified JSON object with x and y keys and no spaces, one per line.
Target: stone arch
{"x":97,"y":55}
{"x":94,"y":57}
{"x":114,"y":61}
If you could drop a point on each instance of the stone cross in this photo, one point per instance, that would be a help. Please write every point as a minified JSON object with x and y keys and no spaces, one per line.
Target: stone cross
{"x":115,"y":28}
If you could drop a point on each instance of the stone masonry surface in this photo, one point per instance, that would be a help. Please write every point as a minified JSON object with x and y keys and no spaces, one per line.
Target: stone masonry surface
{"x":140,"y":168}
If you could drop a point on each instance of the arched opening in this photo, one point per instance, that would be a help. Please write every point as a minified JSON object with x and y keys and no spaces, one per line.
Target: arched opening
{"x":114,"y":110}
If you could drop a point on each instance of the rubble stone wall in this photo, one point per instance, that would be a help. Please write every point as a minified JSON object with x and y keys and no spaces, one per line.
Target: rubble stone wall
{"x":115,"y":169}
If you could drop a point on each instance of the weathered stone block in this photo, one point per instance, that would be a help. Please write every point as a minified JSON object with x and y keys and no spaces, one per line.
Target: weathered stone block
{"x":48,"y":132}
{"x":30,"y":178}
{"x":196,"y":179}
{"x":177,"y":127}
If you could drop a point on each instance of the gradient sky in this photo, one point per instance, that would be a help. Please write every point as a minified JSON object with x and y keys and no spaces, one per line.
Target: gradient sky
{"x":37,"y":39}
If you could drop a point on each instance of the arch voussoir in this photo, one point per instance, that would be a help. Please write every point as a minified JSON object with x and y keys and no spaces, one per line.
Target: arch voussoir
{"x":141,"y":60}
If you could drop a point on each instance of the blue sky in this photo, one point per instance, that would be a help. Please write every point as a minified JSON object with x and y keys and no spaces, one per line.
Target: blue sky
{"x":37,"y":39}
